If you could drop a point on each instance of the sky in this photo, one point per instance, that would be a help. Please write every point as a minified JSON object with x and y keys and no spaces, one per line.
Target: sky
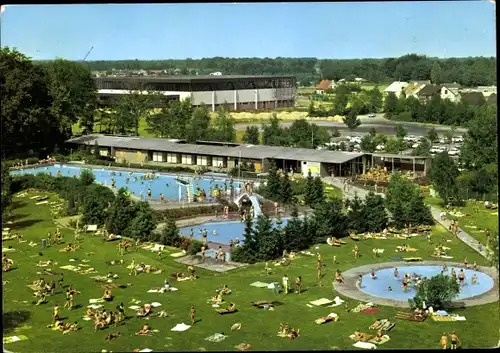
{"x":324,"y":30}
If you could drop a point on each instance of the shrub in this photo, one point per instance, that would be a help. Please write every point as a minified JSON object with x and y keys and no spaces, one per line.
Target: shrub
{"x":194,"y":246}
{"x":437,"y":292}
{"x":13,"y":162}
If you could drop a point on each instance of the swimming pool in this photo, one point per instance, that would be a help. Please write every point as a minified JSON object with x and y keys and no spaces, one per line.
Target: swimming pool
{"x":224,"y":231}
{"x":379,"y":287}
{"x":163,"y":184}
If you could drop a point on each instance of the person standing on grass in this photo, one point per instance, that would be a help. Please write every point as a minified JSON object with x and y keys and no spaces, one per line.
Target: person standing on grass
{"x":160,"y":253}
{"x":319,"y":267}
{"x":454,"y":340}
{"x":133,"y":270}
{"x":443,"y":342}
{"x":192,"y":314}
{"x":284,"y":280}
{"x":298,"y":284}
{"x":55,"y":313}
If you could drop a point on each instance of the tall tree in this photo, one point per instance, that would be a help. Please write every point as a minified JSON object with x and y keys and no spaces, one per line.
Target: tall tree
{"x":443,"y":175}
{"x":273,"y":182}
{"x":376,"y":99}
{"x":6,"y":188}
{"x":27,"y":122}
{"x":198,"y":126}
{"x":120,"y":214}
{"x":286,"y":190}
{"x":223,"y":127}
{"x":351,"y":120}
{"x":252,"y":135}
{"x":390,"y":105}
{"x":272,"y":133}
{"x":269,"y":244}
{"x":432,"y":135}
{"x":74,"y":94}
{"x":436,"y":73}
{"x":309,"y":190}
{"x":130,"y":108}
{"x":340,"y":102}
{"x":318,"y":191}
{"x":401,"y":132}
{"x":330,"y":219}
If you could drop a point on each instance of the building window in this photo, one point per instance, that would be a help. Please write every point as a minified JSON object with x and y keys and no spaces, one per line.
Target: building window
{"x":157,"y":157}
{"x":171,"y":158}
{"x":103,"y":152}
{"x":218,"y":162}
{"x":187,"y":159}
{"x":202,"y":160}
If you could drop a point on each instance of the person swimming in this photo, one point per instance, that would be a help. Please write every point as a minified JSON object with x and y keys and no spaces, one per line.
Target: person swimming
{"x":373,"y":275}
{"x":396,"y":273}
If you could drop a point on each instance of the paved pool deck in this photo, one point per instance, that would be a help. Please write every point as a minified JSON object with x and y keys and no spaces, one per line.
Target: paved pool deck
{"x":350,"y":290}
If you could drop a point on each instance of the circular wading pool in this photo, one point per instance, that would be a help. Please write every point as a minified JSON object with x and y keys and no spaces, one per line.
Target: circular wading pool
{"x":379,"y":287}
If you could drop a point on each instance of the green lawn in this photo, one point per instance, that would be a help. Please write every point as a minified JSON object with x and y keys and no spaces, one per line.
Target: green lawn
{"x":258,"y":327}
{"x":475,"y":218}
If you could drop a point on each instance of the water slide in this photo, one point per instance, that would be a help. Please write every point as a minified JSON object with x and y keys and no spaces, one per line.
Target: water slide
{"x":257,"y":211}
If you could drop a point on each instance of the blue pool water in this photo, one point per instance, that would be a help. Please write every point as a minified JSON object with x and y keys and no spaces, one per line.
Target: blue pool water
{"x":385,"y":278}
{"x":162,"y":184}
{"x":224,"y":231}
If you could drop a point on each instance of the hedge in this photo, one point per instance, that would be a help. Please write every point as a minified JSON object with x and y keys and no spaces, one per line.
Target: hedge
{"x":188,"y":212}
{"x":13,"y":162}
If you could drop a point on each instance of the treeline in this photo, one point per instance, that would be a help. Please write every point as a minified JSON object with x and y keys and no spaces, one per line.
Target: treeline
{"x":435,"y":111}
{"x":40,"y":103}
{"x":266,"y":240}
{"x":470,"y":71}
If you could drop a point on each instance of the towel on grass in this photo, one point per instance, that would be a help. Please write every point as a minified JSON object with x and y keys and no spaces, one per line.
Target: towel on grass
{"x":216,"y":337}
{"x":146,"y":350}
{"x":259,"y":284}
{"x":42,"y":203}
{"x":8,"y":249}
{"x":95,"y":306}
{"x":86,"y":318}
{"x":13,"y":339}
{"x":370,"y":311}
{"x":178,"y":254}
{"x":70,"y":268}
{"x":95,"y":301}
{"x":134,"y":307}
{"x":336,"y":302}
{"x":322,"y":301}
{"x":180,"y":327}
{"x":364,"y":345}
{"x":155,"y":304}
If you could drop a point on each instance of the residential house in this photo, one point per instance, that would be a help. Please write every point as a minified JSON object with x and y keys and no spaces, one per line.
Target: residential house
{"x":453,"y":87}
{"x":492,"y":99}
{"x":414,"y":87}
{"x":324,"y":85}
{"x":396,"y":87}
{"x":487,"y":90}
{"x":450,"y":93}
{"x":427,"y":92}
{"x":473,"y":98}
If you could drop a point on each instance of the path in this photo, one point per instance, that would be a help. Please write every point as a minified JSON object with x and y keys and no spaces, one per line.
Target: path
{"x":463,"y":236}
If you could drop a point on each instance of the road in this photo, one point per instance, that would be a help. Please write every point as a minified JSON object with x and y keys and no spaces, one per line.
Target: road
{"x":380,"y":124}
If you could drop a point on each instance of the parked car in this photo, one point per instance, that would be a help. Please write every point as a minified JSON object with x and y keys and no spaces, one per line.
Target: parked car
{"x":372,"y":115}
{"x":453,"y":152}
{"x":457,"y":139}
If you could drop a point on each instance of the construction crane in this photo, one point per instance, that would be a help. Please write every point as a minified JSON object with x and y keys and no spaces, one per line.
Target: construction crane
{"x":87,"y":54}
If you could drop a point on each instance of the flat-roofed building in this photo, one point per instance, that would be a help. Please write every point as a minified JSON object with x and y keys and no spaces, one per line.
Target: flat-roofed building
{"x":236,"y":93}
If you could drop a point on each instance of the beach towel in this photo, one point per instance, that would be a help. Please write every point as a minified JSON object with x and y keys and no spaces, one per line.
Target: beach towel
{"x":336,"y":302}
{"x":155,"y":304}
{"x":153,"y":291}
{"x":180,"y":327}
{"x":364,"y":345}
{"x":8,"y":249}
{"x":70,"y":268}
{"x":362,"y":307}
{"x":310,"y":306}
{"x":94,"y":306}
{"x":134,"y":307}
{"x":42,"y":203}
{"x":370,"y":311}
{"x":95,"y":301}
{"x":13,"y":339}
{"x":322,"y":301}
{"x":236,"y":326}
{"x":146,"y":350}
{"x":216,"y":337}
{"x":259,"y":284}
{"x":86,"y":318}
{"x":178,"y":254}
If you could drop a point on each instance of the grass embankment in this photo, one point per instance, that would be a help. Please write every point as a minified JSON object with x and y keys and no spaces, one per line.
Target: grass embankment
{"x":258,"y":327}
{"x":473,"y":218}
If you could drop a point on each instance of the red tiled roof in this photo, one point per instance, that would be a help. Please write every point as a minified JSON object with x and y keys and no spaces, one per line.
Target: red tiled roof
{"x":323,"y":85}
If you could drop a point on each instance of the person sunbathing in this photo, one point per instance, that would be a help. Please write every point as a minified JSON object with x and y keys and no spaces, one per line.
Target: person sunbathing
{"x":379,"y":336}
{"x":43,"y":263}
{"x":108,"y":295}
{"x":99,"y":323}
{"x":294,"y":333}
{"x":284,"y":329}
{"x":230,"y":309}
{"x":67,"y":248}
{"x":217,"y":299}
{"x":112,"y":336}
{"x":57,"y":324}
{"x":70,"y":328}
{"x":191,"y":272}
{"x":162,"y":313}
{"x":225,"y":290}
{"x":89,"y":313}
{"x":144,"y":331}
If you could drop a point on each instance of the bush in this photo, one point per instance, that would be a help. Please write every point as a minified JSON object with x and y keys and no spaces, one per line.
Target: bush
{"x":437,"y":292}
{"x":194,"y":247}
{"x":179,"y":213}
{"x":13,"y":162}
